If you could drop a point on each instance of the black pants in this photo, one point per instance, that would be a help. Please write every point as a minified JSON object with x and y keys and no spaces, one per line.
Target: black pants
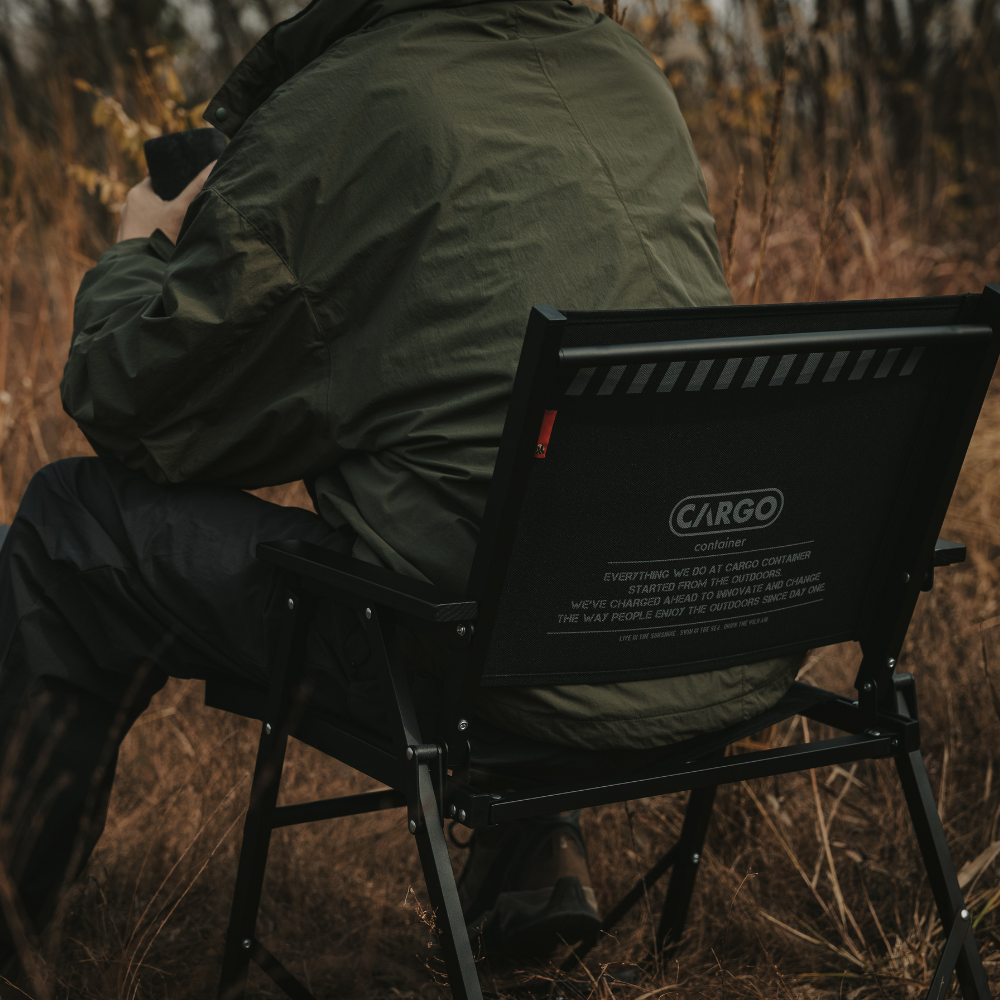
{"x":110,"y":584}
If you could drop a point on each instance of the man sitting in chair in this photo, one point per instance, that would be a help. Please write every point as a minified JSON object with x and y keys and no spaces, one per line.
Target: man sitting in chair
{"x":343,"y":300}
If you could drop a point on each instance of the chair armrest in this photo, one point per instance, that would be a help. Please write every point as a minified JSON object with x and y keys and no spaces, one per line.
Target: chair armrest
{"x":948,"y":553}
{"x":373,"y":583}
{"x":945,"y":554}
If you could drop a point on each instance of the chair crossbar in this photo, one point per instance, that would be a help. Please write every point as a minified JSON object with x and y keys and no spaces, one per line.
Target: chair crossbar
{"x":743,"y":767}
{"x":345,"y":805}
{"x":813,"y":703}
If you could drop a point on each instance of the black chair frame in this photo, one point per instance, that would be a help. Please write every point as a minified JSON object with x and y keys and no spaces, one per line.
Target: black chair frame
{"x":432,"y":778}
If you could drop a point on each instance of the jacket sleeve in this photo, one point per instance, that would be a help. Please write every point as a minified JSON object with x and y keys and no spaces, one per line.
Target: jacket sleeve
{"x":201,"y":362}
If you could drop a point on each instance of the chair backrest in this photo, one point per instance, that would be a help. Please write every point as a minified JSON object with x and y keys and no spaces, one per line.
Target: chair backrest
{"x":679,"y":490}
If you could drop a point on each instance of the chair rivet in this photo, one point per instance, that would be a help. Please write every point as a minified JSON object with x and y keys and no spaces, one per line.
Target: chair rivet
{"x":964,"y":914}
{"x":695,"y":858}
{"x":412,"y":826}
{"x":368,"y":612}
{"x":246,"y":943}
{"x":892,"y":662}
{"x":409,"y":753}
{"x":454,"y":809}
{"x":463,"y":724}
{"x":267,"y":728}
{"x":868,"y":686}
{"x":461,"y":816}
{"x":460,"y":631}
{"x":906,"y":578}
{"x":291,"y":604}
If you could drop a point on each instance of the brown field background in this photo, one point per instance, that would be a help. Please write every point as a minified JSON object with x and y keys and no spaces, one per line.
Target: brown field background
{"x":858,"y":144}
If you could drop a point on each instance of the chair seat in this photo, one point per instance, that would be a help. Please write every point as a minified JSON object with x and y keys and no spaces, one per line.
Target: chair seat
{"x":503,"y":759}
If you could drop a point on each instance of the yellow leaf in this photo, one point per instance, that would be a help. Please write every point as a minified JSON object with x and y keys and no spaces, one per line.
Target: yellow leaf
{"x":85,"y":176}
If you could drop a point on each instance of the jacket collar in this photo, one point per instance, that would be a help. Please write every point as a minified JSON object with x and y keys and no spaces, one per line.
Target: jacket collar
{"x":291,"y":45}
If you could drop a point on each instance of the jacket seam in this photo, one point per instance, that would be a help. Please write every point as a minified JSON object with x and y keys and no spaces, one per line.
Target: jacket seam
{"x":608,"y":173}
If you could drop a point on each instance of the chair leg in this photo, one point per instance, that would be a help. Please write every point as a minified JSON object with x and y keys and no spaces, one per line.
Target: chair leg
{"x":253,"y":861}
{"x":941,"y":875}
{"x":440,"y":878}
{"x":685,"y":871}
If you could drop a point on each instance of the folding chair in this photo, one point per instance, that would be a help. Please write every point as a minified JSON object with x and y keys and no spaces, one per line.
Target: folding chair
{"x":676,"y":491}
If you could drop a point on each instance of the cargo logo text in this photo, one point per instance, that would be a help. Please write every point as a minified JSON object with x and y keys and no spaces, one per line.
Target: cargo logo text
{"x":722,"y":513}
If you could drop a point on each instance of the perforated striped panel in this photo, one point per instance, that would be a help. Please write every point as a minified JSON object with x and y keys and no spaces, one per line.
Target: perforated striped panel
{"x":767,"y":372}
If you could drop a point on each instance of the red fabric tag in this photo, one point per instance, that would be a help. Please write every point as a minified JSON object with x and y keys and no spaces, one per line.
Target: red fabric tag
{"x":545,"y":433}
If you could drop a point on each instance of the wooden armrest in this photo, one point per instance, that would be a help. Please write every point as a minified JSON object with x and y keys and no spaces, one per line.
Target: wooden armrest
{"x":378,"y":585}
{"x":948,"y":553}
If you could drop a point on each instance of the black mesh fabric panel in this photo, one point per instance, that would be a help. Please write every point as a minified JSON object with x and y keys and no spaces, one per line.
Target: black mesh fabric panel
{"x":689,"y":512}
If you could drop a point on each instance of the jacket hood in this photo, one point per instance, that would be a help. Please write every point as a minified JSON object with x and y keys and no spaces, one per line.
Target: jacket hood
{"x":291,"y":45}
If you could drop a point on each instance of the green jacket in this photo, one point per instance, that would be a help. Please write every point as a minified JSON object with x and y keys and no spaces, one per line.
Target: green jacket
{"x":348,"y":294}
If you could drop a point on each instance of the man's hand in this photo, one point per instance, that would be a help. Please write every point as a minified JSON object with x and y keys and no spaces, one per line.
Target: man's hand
{"x":144,"y":211}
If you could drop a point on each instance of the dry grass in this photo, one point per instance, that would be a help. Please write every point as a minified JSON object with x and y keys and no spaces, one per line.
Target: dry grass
{"x":811,"y":885}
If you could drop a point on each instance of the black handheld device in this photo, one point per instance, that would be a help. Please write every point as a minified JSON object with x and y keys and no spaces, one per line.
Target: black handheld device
{"x":175,"y":159}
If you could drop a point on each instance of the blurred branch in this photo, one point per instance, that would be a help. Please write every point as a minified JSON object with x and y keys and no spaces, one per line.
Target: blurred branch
{"x":611,"y":10}
{"x":734,"y":225}
{"x":772,"y":166}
